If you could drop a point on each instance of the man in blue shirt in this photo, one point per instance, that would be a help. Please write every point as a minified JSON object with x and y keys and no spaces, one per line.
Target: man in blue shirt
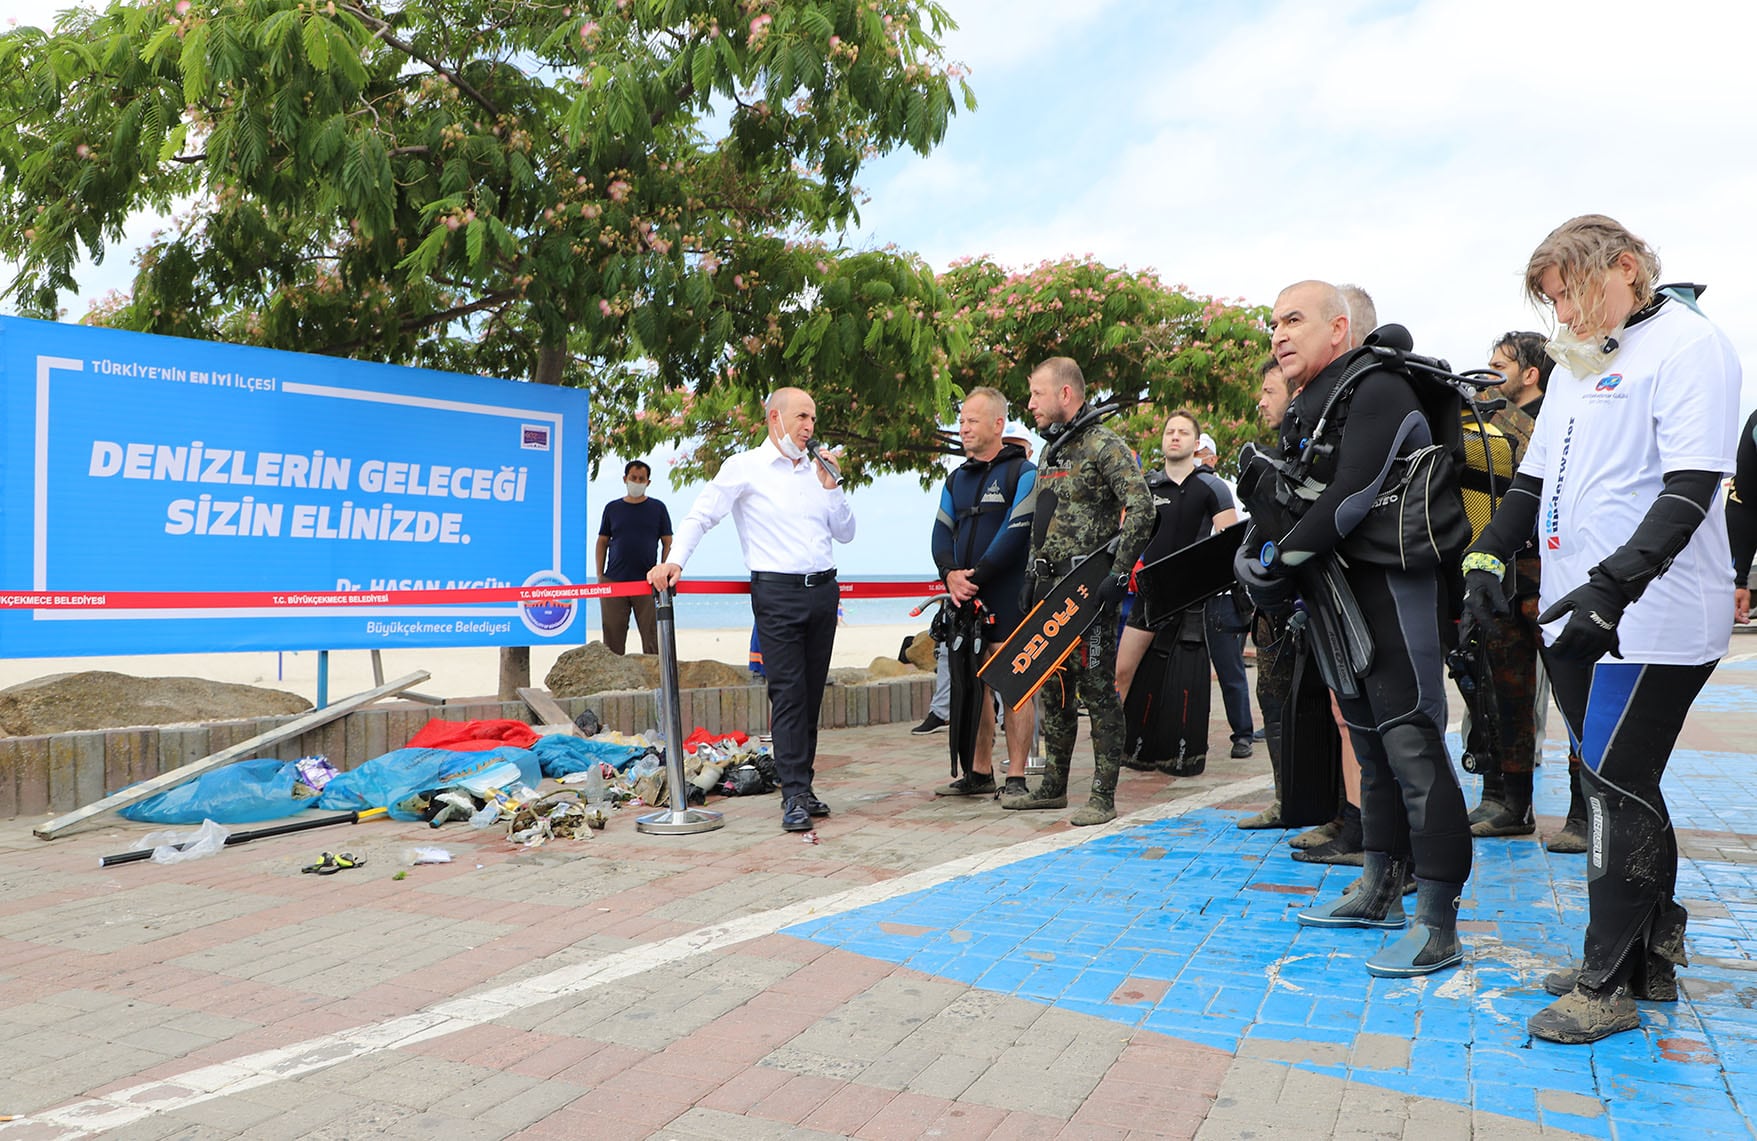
{"x":634,"y":537}
{"x":980,"y":538}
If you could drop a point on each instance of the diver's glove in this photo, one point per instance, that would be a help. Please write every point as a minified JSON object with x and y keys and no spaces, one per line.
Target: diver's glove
{"x":1485,"y":598}
{"x":1114,"y":589}
{"x":1270,"y":592}
{"x":1594,"y":609}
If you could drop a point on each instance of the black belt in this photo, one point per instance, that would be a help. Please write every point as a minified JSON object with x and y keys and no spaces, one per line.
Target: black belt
{"x":815,"y":578}
{"x":1044,"y":568}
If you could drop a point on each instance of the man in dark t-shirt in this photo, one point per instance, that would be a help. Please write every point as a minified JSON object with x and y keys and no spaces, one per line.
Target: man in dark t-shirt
{"x":1192,"y":503}
{"x":634,"y":537}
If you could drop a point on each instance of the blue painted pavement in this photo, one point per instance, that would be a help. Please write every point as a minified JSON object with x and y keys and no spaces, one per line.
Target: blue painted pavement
{"x":1186,"y":927}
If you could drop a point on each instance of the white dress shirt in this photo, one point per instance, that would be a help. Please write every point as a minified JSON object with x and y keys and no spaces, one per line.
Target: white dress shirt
{"x":786,"y":519}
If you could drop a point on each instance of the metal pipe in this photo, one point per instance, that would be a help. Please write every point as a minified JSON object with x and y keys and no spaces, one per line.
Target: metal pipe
{"x":680,"y":818}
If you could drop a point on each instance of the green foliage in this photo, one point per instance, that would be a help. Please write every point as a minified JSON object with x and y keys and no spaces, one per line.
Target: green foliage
{"x":1149,"y":347}
{"x":607,"y":194}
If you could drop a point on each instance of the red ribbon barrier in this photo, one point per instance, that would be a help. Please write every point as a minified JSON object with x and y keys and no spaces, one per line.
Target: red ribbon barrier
{"x":306,"y":599}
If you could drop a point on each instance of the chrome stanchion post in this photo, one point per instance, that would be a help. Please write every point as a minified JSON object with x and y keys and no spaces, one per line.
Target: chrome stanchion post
{"x":680,"y":818}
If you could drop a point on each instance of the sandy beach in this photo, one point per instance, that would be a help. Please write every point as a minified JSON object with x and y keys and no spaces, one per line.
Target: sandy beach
{"x":457,"y":673}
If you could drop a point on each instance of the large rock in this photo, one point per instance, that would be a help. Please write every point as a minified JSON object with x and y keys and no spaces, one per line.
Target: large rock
{"x":709,"y":675}
{"x":921,"y":652}
{"x":98,"y":699}
{"x":592,"y":668}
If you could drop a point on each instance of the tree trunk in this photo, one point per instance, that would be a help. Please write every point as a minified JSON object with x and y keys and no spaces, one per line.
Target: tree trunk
{"x":515,"y":671}
{"x":515,"y":661}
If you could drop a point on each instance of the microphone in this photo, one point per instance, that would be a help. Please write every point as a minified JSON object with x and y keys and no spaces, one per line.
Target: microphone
{"x":812,"y":445}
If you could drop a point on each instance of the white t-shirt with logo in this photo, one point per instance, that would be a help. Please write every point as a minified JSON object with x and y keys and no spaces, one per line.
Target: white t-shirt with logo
{"x":1669,"y":402}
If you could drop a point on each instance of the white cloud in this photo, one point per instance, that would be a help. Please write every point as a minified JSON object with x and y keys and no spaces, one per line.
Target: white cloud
{"x":994,"y":36}
{"x":1419,"y":150}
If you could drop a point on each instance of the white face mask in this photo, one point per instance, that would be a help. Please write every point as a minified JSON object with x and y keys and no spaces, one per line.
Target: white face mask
{"x":788,"y":448}
{"x":635,"y":490}
{"x":1581,"y":356}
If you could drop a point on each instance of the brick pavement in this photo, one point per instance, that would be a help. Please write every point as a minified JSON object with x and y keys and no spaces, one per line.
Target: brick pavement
{"x":930,"y":968}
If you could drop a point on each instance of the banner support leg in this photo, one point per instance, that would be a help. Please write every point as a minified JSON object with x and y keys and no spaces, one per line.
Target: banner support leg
{"x":322,"y":678}
{"x":680,"y":819}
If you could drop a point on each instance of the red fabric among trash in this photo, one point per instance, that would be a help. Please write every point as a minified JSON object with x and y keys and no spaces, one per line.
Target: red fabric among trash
{"x":473,"y":736}
{"x":703,"y":737}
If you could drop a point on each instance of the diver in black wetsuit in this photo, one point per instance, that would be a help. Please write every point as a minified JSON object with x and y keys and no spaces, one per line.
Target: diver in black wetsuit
{"x":1412,"y":809}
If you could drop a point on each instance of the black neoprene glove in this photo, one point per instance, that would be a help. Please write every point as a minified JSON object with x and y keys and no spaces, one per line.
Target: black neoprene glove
{"x":1114,"y":589}
{"x":1269,"y":592}
{"x":1595,"y":610}
{"x":1485,"y":595}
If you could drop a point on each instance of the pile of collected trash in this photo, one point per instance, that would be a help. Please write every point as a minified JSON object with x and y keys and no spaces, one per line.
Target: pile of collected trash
{"x":489,"y":774}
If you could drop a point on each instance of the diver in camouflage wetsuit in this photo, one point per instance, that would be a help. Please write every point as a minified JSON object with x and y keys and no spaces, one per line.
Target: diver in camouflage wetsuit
{"x":1088,"y":482}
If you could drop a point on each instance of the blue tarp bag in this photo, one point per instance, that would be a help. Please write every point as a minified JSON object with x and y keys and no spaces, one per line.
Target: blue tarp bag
{"x":561,"y":754}
{"x":242,"y":792}
{"x":394,"y":779}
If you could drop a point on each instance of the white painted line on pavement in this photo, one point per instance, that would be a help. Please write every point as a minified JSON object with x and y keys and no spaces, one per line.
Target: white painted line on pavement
{"x":126,"y":1106}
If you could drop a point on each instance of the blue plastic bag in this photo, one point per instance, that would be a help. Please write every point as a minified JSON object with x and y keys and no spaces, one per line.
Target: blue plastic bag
{"x":239,"y":793}
{"x":391,"y":781}
{"x":561,"y":754}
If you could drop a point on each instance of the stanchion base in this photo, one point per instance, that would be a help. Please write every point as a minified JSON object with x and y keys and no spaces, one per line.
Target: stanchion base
{"x":673,"y":823}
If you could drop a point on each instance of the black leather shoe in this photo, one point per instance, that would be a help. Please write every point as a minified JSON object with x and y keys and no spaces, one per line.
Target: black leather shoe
{"x":796,"y":817}
{"x":814,"y":806}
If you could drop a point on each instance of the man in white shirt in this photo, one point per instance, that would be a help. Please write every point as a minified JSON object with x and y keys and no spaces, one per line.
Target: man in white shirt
{"x":789,"y":511}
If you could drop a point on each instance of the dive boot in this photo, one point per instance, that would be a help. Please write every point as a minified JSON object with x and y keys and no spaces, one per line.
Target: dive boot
{"x":1354,"y":884}
{"x":1654,"y":974}
{"x":1312,"y":837}
{"x":1051,"y":791}
{"x":1431,"y":943}
{"x":1659,"y":983}
{"x":1378,"y":902}
{"x":1586,"y":1015}
{"x":1571,"y":840}
{"x":1512,"y":816}
{"x":1494,"y":795}
{"x":1099,"y":809}
{"x":1268,"y":818}
{"x":1343,"y":848}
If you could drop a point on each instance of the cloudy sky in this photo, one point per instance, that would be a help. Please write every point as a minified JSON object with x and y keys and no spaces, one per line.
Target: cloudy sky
{"x":1419,"y":148}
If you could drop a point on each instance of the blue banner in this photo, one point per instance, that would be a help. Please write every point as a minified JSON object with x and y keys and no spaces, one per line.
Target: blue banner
{"x":161,"y":466}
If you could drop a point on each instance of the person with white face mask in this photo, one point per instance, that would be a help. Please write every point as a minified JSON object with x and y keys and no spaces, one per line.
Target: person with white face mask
{"x":1622,"y":482}
{"x":790,"y":511}
{"x":634,"y":537}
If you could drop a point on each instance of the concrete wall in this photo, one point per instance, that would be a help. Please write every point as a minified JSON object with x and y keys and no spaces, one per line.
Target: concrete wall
{"x":64,"y":771}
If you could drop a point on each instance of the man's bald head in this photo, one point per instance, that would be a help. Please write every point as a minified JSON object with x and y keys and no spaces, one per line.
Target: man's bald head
{"x":792,"y":415}
{"x":1309,"y":328}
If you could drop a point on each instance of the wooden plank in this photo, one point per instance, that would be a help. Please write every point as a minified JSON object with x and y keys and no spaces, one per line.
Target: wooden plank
{"x":239,"y":751}
{"x":549,"y":712}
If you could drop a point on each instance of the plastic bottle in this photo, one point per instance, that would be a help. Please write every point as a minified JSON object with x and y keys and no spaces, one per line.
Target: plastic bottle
{"x":595,"y":785}
{"x":486,"y":815}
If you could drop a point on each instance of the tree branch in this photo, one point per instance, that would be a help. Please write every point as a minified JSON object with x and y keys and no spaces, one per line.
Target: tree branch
{"x":382,"y":30}
{"x":416,"y":324}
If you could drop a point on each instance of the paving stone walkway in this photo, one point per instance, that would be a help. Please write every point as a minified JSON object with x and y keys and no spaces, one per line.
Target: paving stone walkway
{"x":928,"y":968}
